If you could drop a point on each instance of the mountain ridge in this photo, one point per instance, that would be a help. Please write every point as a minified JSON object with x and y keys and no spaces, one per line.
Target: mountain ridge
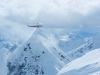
{"x":34,"y":56}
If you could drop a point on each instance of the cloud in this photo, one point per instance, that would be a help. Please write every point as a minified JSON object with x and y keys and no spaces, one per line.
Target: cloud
{"x":78,"y":14}
{"x":81,"y":6}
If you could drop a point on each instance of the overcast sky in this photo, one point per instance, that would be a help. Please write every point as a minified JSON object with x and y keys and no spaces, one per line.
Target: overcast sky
{"x":74,"y":14}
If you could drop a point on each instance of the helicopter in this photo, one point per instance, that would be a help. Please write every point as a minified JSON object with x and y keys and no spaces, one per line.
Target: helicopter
{"x":36,"y":26}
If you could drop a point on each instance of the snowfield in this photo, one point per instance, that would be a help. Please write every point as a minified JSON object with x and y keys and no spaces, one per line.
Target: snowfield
{"x":3,"y":61}
{"x":88,"y":64}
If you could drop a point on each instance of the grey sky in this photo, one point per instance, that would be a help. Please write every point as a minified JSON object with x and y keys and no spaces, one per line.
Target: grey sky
{"x":75,"y":14}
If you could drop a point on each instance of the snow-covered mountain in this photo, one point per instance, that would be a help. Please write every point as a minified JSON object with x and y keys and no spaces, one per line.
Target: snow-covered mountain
{"x":45,"y":54}
{"x":10,"y":43}
{"x":88,"y":64}
{"x":91,"y":44}
{"x":39,"y":55}
{"x":3,"y":61}
{"x":76,"y":45}
{"x":83,"y":58}
{"x":70,"y":41}
{"x":81,"y":50}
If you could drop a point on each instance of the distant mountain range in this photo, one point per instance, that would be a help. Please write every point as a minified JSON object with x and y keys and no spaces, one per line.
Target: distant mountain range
{"x":10,"y":43}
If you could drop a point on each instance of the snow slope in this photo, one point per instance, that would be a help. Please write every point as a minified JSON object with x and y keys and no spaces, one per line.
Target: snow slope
{"x":96,"y":41}
{"x":88,"y":64}
{"x":3,"y":61}
{"x":40,"y":55}
{"x":80,"y":51}
{"x":91,"y":44}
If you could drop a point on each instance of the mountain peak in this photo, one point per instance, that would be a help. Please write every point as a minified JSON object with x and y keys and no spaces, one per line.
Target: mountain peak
{"x":36,"y":55}
{"x":39,"y":32}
